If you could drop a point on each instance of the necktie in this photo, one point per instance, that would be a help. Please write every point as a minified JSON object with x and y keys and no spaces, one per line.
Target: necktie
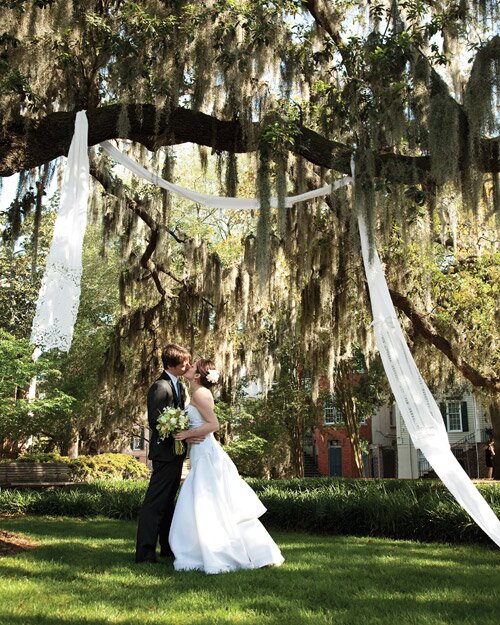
{"x":180,"y":394}
{"x":175,"y":392}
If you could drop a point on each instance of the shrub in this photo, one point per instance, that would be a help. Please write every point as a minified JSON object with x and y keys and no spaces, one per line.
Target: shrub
{"x":248,"y":454}
{"x":110,"y":466}
{"x":111,"y":499}
{"x":405,"y":509}
{"x":41,"y":456}
{"x":18,"y":501}
{"x":85,"y":468}
{"x":418,"y":510}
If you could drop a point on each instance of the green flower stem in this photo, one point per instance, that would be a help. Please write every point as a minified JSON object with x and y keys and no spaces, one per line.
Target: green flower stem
{"x":178,"y":447}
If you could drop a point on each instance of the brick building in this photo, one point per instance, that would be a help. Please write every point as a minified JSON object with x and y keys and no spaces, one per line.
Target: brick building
{"x":332,"y":451}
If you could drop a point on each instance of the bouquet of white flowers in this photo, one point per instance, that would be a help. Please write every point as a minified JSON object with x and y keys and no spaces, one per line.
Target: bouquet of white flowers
{"x":172,"y":420}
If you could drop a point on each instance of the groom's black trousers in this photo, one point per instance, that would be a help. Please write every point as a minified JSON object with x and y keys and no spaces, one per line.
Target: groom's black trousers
{"x":155,"y":516}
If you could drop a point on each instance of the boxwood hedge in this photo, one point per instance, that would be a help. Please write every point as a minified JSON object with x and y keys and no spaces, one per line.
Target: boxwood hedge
{"x":408,"y":509}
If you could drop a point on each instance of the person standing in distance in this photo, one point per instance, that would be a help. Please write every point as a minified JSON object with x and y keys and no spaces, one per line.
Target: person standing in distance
{"x":489,"y":457}
{"x":157,"y":509}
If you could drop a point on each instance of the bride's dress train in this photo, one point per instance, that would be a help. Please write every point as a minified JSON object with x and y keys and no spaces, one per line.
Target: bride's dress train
{"x":215,"y":526}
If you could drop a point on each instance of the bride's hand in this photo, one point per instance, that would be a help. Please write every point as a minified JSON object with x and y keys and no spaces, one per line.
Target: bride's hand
{"x":181,"y":436}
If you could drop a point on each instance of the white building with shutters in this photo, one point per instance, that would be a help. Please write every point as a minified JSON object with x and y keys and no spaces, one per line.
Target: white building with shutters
{"x":468,"y":426}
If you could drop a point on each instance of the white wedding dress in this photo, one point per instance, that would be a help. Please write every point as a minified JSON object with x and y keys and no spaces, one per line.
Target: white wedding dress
{"x":215,"y":527}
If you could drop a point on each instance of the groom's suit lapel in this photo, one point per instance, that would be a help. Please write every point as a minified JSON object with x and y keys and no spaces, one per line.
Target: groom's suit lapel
{"x":178,"y":401}
{"x":165,"y":376}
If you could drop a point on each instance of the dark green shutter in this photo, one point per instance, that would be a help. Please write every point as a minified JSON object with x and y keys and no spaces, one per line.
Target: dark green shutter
{"x":442,"y":407}
{"x":465,"y":420}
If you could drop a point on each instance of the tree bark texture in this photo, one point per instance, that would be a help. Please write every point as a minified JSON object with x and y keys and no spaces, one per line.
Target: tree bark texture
{"x":30,"y":143}
{"x":423,"y":327}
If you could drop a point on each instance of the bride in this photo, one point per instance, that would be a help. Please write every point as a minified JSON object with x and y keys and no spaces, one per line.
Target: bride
{"x":215,"y":526}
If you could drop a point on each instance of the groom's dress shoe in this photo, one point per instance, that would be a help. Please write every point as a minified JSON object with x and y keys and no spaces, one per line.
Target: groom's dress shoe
{"x":166,"y":554}
{"x":149,"y":560}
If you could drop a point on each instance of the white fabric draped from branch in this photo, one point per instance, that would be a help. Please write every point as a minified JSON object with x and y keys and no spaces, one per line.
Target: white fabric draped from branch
{"x":59,"y":296}
{"x":418,"y":407}
{"x":57,"y":308}
{"x":214,"y":201}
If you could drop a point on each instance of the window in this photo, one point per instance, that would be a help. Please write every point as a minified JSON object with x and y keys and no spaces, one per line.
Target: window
{"x":453,"y":416}
{"x":392,"y":416}
{"x":306,"y":383}
{"x":137,"y":443}
{"x":332,"y":414}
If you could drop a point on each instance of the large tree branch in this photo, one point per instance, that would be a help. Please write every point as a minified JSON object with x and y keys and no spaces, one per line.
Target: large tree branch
{"x":30,"y":143}
{"x":327,"y":18}
{"x":423,"y":327}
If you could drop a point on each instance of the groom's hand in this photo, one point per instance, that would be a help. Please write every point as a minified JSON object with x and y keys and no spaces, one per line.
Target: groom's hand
{"x":184,"y":436}
{"x":197,"y":439}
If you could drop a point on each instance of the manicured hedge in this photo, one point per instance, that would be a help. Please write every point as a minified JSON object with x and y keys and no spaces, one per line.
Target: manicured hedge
{"x":418,"y":510}
{"x":112,"y":499}
{"x":411,"y":509}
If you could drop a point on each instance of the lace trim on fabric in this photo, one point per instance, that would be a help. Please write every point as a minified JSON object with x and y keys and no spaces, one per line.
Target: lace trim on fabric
{"x":56,"y":313}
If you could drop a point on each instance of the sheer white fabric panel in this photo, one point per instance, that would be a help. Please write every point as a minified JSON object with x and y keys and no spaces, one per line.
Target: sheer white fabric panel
{"x":214,"y":201}
{"x":421,"y":413}
{"x":59,"y":295}
{"x":418,"y":407}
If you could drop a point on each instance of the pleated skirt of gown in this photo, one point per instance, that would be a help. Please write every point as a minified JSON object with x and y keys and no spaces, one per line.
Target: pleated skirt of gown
{"x":216,"y":525}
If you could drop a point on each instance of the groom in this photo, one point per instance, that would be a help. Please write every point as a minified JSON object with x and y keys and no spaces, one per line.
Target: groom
{"x":157,"y":510}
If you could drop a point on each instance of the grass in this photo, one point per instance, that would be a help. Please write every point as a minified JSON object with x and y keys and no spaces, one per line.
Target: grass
{"x":83,"y":573}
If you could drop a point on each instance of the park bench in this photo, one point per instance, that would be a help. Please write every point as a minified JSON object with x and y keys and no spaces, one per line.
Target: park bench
{"x":34,"y":475}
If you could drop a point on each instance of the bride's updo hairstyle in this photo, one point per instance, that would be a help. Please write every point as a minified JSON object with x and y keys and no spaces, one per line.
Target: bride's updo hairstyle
{"x":209,"y":376}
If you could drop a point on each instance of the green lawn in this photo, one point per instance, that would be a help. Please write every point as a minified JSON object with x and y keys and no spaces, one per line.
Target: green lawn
{"x":83,"y":572}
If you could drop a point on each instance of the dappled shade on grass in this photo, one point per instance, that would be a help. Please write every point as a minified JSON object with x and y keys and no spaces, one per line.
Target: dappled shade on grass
{"x":83,"y":572}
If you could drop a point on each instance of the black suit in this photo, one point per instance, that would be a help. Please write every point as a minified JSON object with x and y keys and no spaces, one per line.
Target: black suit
{"x":155,"y":516}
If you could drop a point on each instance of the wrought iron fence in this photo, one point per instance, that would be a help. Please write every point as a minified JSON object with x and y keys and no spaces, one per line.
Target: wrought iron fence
{"x":467,"y":451}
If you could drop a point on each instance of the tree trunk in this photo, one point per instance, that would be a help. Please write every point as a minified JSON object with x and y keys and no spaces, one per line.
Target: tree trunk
{"x":352,"y":427}
{"x":343,"y":391}
{"x":495,"y":424}
{"x":297,"y":448}
{"x":74,"y":443}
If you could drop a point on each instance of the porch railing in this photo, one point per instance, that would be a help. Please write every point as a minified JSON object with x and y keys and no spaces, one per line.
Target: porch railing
{"x":467,"y":451}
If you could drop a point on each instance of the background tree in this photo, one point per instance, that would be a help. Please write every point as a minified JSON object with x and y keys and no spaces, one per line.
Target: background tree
{"x":357,"y":390}
{"x":48,"y":416}
{"x":298,"y":85}
{"x":289,"y":402}
{"x":267,"y":436}
{"x":26,"y":230}
{"x":258,"y":442}
{"x":448,"y":289}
